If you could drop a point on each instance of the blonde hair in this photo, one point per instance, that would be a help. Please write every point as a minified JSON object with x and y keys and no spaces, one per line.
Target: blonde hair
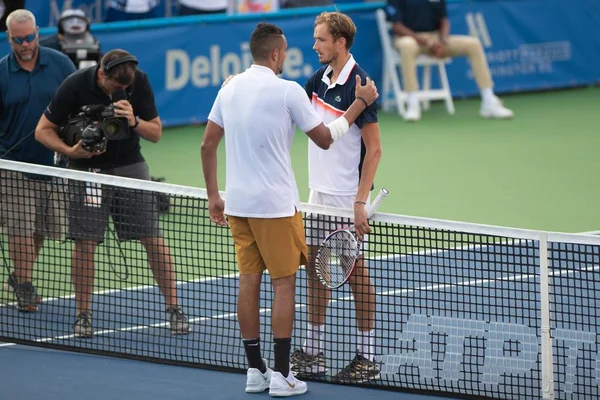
{"x":19,"y":16}
{"x":339,"y":24}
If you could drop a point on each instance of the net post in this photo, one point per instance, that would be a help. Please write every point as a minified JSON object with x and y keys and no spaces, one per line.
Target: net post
{"x":547,"y":359}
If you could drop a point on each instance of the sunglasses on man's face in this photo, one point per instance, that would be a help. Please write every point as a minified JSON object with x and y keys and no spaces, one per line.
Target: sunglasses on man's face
{"x":20,"y":39}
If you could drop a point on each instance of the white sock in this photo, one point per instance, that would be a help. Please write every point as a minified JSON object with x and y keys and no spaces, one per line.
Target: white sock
{"x":314,"y":342}
{"x":412,"y":99}
{"x":487,"y":95}
{"x":366,"y":344}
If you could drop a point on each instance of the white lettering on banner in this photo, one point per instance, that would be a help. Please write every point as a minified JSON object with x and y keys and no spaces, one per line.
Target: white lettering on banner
{"x":478,"y":28}
{"x":527,"y":59}
{"x":202,"y":71}
{"x":431,"y":351}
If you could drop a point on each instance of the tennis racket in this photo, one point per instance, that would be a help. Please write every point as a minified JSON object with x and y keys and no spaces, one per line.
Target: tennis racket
{"x":337,"y":254}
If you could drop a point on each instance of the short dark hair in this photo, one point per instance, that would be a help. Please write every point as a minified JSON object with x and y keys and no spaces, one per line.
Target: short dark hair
{"x":339,"y":24}
{"x":265,"y":38}
{"x":124,"y":73}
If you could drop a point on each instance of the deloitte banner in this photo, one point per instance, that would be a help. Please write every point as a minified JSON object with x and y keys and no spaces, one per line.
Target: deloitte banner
{"x":188,"y":61}
{"x":530,"y":45}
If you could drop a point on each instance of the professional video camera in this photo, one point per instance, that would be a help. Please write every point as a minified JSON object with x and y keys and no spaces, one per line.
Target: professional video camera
{"x":95,"y":125}
{"x":76,"y":39}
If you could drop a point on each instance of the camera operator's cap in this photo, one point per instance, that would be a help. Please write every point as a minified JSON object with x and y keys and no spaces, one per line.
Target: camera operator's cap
{"x":73,"y":21}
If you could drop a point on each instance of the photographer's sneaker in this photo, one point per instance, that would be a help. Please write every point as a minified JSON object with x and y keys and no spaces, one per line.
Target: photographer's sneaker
{"x":27,"y":298}
{"x":305,"y":365}
{"x":256,"y":381}
{"x":178,"y":322}
{"x":284,"y":387}
{"x":83,"y":325}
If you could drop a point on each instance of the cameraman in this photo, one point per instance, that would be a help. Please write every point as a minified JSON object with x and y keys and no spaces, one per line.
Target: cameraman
{"x":134,"y":212}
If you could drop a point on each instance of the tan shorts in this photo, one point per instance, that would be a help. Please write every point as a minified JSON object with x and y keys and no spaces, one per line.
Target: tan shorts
{"x":275,"y":244}
{"x":31,"y":206}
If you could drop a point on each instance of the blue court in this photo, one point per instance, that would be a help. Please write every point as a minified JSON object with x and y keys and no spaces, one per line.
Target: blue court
{"x":467,"y":321}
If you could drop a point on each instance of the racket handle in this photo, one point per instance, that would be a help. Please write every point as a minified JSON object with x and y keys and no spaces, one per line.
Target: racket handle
{"x":377,"y":202}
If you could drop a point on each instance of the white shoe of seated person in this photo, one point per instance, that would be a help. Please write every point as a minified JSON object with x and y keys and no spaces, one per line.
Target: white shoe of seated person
{"x":495,"y":109}
{"x":413,"y":111}
{"x":285,"y":387}
{"x":256,"y":381}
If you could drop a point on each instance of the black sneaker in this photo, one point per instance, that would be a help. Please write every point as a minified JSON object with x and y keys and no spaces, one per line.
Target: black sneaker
{"x":177,"y":321}
{"x":83,"y":325}
{"x":305,"y":365}
{"x":359,"y":370}
{"x":25,"y":293}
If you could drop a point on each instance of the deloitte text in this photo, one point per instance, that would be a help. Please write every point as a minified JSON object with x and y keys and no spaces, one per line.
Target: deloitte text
{"x":204,"y":71}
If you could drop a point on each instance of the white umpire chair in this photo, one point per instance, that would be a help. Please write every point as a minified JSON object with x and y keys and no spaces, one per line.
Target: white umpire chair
{"x":392,"y":90}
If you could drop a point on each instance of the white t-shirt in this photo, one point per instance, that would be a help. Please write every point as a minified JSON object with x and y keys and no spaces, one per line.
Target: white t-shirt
{"x":205,"y":5}
{"x":259,"y":113}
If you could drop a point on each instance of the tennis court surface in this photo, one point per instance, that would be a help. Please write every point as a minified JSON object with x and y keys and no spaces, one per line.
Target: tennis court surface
{"x":461,"y":310}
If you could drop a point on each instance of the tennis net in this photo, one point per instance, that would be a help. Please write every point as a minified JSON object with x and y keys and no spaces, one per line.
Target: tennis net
{"x":462,"y":309}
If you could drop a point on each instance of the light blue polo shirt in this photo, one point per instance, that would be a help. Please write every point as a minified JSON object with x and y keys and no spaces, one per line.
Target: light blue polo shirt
{"x":24,"y":96}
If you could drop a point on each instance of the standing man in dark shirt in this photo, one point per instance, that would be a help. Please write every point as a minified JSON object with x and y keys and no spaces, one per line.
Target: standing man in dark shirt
{"x":422,"y":27}
{"x":29,"y":77}
{"x":135,"y":213}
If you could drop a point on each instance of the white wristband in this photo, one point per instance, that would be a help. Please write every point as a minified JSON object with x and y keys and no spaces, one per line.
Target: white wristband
{"x":338,"y":128}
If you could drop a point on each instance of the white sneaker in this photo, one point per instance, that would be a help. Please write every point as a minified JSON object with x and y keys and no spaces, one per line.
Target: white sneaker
{"x":495,"y":109}
{"x":256,"y":381}
{"x":413,"y":111}
{"x":284,"y":387}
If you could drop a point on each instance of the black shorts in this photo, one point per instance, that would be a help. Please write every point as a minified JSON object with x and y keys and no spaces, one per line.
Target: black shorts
{"x":134,"y":212}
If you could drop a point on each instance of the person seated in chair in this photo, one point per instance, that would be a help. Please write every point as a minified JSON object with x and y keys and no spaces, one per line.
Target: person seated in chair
{"x":422,"y":27}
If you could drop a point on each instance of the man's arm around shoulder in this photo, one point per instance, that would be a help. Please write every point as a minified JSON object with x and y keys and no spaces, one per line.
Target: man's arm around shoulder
{"x":323,"y":135}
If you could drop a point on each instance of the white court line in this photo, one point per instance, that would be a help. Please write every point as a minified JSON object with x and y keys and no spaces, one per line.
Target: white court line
{"x":140,"y":288}
{"x":132,"y":288}
{"x":227,"y":315}
{"x":302,"y":305}
{"x":347,"y":298}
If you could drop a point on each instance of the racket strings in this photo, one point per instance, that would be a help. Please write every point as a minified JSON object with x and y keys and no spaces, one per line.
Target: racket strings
{"x":336,"y":258}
